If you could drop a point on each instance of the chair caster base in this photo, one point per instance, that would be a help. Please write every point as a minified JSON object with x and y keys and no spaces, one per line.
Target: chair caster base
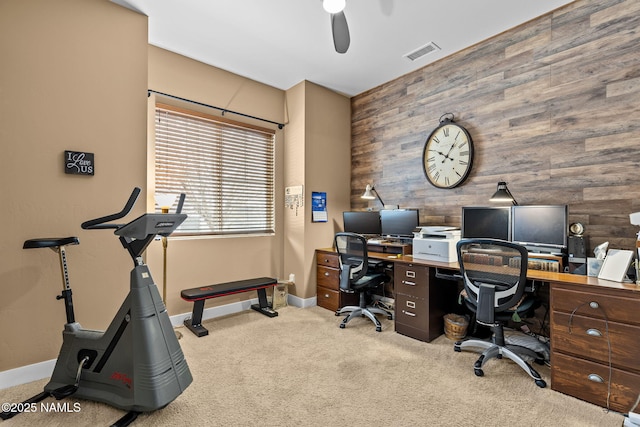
{"x":478,"y":372}
{"x":541,"y":383}
{"x":342,"y":325}
{"x":378,"y":329}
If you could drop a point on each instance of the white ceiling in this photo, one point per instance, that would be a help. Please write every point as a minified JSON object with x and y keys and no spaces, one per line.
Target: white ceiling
{"x":283,"y":42}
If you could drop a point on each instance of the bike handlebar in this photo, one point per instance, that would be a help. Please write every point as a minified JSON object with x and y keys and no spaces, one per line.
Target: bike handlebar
{"x":100,"y":223}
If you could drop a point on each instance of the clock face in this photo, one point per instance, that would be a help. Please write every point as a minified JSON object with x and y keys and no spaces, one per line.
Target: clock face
{"x":448,"y":155}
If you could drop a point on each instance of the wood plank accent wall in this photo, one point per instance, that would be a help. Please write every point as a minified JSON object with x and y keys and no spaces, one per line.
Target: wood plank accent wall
{"x":553,"y":107}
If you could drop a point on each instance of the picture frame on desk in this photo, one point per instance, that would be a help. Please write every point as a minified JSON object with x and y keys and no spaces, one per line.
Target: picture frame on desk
{"x":615,"y":265}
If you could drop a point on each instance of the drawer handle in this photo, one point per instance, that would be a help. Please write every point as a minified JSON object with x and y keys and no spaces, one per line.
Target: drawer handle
{"x":595,"y":378}
{"x":594,"y":333}
{"x":406,"y":282}
{"x":411,"y":274}
{"x":411,"y":304}
{"x":594,"y":305}
{"x":408,"y":313}
{"x":326,"y":273}
{"x":326,"y":295}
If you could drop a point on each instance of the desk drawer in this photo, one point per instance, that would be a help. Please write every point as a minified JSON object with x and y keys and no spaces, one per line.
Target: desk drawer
{"x":328,"y":277}
{"x":328,"y":260}
{"x":411,"y":310}
{"x":591,"y":302}
{"x":580,"y":378}
{"x":334,"y":300}
{"x":413,"y":280}
{"x":328,"y":298}
{"x":412,"y":319}
{"x":588,"y":339}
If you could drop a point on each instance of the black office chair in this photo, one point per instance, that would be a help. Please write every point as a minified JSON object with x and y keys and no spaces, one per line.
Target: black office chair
{"x":357,"y":275}
{"x":495,"y":278}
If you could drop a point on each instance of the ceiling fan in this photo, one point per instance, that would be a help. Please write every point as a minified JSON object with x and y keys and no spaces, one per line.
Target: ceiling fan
{"x":339,"y":26}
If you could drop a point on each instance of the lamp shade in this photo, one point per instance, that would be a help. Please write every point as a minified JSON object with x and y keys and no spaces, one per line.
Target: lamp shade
{"x":165,"y":201}
{"x":503,"y":194}
{"x":368,"y":194}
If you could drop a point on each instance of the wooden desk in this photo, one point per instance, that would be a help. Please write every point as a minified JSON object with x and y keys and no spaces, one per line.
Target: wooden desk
{"x":589,"y":316}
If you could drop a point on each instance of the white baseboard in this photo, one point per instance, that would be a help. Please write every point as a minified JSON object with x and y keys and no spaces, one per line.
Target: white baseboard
{"x":26,"y":374}
{"x":38,"y":371}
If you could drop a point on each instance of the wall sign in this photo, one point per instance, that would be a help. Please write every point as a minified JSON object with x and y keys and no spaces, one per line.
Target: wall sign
{"x":294,"y":197}
{"x":78,"y":163}
{"x":319,"y":206}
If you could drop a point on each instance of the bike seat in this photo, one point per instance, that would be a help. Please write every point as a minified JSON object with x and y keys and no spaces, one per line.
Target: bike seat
{"x":50,"y":242}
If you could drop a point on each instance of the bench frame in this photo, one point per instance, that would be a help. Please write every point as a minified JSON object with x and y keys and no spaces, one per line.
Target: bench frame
{"x":199,"y":295}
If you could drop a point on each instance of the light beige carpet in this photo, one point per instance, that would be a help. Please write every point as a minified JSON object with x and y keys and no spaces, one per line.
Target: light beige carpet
{"x":300,"y":369}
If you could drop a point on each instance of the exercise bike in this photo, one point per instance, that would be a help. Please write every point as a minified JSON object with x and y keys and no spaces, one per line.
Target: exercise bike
{"x":137,"y":364}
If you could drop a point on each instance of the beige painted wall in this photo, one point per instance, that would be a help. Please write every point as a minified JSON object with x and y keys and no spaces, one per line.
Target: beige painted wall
{"x":193,"y":262}
{"x":70,"y":81}
{"x":73,"y":77}
{"x":320,"y":134}
{"x":327,"y":167}
{"x":295,"y":219}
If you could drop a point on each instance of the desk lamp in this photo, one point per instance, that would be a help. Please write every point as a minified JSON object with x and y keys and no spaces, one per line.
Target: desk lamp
{"x":368,"y":195}
{"x":503,"y":194}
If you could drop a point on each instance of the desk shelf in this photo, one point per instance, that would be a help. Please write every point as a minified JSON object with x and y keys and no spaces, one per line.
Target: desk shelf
{"x":390,"y":248}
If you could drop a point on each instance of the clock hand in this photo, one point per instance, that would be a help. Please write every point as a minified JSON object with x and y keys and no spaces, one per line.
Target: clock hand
{"x":446,"y":156}
{"x":449,"y":152}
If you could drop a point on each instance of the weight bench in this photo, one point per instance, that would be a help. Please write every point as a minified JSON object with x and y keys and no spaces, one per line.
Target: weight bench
{"x":199,"y":295}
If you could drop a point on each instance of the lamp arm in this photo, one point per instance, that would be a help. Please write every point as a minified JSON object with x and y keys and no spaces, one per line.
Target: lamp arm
{"x":511,"y":195}
{"x":378,"y":195}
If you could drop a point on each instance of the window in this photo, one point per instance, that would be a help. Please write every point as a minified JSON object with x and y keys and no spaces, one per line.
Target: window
{"x":225,"y":168}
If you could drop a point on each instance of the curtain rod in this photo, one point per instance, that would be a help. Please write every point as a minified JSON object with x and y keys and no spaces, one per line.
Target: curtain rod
{"x":224,"y":110}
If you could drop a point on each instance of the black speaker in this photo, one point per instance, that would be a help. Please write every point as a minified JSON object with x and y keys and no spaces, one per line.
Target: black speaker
{"x":577,"y":248}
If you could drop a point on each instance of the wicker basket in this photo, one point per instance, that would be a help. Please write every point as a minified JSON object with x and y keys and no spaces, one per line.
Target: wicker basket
{"x":455,"y":326}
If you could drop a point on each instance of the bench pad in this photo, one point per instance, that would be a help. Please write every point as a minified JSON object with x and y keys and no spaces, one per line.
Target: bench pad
{"x":214,"y":291}
{"x":199,"y":295}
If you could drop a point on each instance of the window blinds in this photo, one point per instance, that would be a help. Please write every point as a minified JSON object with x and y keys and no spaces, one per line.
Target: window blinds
{"x":226,"y":170}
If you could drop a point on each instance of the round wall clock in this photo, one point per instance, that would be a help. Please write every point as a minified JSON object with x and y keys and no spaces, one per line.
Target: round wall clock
{"x":448,"y":154}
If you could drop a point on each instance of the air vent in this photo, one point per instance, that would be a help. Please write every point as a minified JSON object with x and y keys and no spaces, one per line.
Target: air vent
{"x":422,"y":51}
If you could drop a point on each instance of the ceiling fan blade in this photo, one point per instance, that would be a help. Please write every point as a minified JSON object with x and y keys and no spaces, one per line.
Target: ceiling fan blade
{"x":340,"y":30}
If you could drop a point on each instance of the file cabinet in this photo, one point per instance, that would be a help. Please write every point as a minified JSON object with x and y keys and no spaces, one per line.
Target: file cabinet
{"x":420,"y":301}
{"x":595,"y":345}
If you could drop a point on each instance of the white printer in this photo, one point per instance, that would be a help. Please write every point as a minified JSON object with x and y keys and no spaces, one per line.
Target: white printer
{"x":436,"y":243}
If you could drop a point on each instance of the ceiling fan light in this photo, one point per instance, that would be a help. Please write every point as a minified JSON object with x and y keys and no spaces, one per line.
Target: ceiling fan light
{"x":334,"y":6}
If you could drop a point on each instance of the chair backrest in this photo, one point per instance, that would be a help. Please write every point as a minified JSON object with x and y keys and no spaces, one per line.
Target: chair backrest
{"x":353,"y":257}
{"x":494,"y":272}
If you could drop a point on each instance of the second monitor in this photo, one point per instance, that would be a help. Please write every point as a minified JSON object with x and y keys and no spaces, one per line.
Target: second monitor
{"x":399,"y":222}
{"x":362,"y":222}
{"x":491,"y":222}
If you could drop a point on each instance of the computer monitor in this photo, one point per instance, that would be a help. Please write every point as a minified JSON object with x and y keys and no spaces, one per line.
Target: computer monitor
{"x":540,"y":228}
{"x":399,"y":222}
{"x":362,"y":222}
{"x":491,"y":222}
